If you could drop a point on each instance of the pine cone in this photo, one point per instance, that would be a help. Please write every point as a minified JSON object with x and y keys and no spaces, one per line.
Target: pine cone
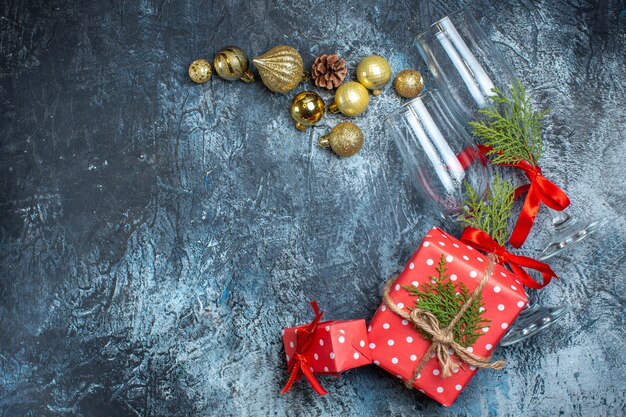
{"x":328,"y":71}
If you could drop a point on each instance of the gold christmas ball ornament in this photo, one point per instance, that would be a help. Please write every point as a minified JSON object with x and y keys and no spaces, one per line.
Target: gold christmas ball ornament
{"x":200,"y":71}
{"x":281,"y":68}
{"x":345,"y":139}
{"x":231,"y":63}
{"x":351,"y":99}
{"x":307,"y":109}
{"x":374,"y":73}
{"x":408,"y":83}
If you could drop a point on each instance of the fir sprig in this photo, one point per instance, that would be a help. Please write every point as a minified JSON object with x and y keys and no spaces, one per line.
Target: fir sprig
{"x":511,"y":127}
{"x":443,"y":299}
{"x":492,"y":214}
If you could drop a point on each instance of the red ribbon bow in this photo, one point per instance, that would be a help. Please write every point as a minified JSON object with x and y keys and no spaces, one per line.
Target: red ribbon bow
{"x":298,"y":364}
{"x":482,"y":241}
{"x":540,"y":190}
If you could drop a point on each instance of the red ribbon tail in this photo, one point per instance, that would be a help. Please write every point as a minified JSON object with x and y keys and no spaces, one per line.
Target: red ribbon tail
{"x":551,"y":195}
{"x":521,"y":190}
{"x":526,"y":218}
{"x":310,"y":376}
{"x":517,"y":262}
{"x":293,"y":376}
{"x":482,"y":241}
{"x":300,"y":365}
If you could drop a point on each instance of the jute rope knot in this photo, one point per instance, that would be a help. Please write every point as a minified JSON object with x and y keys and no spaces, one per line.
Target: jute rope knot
{"x":442,"y":340}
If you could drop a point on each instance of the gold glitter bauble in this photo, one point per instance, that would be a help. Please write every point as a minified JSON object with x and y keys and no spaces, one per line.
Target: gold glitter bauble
{"x":345,"y":139}
{"x":351,"y":99}
{"x":280,"y":68}
{"x":374,"y":73}
{"x":307,"y":109}
{"x":408,"y":83}
{"x":231,"y":63}
{"x":200,"y":71}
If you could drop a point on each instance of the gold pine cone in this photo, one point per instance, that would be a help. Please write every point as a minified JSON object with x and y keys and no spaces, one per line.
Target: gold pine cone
{"x":281,"y":68}
{"x":328,"y":71}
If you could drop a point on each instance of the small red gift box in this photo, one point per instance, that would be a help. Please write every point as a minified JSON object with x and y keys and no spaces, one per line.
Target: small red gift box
{"x":398,"y":347}
{"x":327,"y":347}
{"x":338,"y":346}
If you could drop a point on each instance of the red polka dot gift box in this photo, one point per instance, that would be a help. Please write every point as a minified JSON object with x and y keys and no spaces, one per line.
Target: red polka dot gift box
{"x":324,"y":347}
{"x":398,"y":347}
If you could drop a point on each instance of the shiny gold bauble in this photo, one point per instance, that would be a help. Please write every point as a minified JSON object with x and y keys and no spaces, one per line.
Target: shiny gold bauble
{"x":351,"y":99}
{"x":231,"y":63}
{"x":307,"y":109}
{"x":345,"y":139}
{"x":200,"y":71}
{"x":374,"y":73}
{"x":408,"y":83}
{"x":280,"y":68}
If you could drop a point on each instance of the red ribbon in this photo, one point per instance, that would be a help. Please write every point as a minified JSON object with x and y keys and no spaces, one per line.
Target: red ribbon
{"x":298,"y":364}
{"x":468,"y":155}
{"x":540,"y":190}
{"x":482,"y":241}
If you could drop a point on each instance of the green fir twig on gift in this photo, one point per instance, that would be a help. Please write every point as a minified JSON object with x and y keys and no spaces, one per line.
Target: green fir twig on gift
{"x":512,"y":128}
{"x":444,"y":299}
{"x":492,"y":214}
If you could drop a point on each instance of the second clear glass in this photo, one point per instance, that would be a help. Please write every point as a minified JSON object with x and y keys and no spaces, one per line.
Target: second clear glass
{"x":432,"y":143}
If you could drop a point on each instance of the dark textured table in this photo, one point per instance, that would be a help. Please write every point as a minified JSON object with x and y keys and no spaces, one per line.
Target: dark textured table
{"x":157,"y":235}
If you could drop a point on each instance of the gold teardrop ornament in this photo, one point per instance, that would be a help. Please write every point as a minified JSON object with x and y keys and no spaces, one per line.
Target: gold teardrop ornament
{"x":200,"y":71}
{"x":351,"y":99}
{"x":345,"y":139}
{"x":281,"y":68}
{"x":231,"y":63}
{"x":408,"y":83}
{"x":374,"y":73}
{"x":307,"y":109}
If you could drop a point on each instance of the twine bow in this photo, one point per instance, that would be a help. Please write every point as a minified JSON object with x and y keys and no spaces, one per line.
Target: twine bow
{"x":442,"y":340}
{"x":298,"y":365}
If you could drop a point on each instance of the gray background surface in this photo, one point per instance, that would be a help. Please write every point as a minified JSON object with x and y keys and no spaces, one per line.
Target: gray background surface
{"x":156,"y":235}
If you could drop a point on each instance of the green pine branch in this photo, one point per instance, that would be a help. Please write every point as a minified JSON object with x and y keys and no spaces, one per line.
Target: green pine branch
{"x":443,"y":299}
{"x":490,"y":215}
{"x":511,"y":127}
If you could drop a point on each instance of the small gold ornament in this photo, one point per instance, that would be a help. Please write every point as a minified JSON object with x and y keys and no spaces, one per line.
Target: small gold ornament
{"x":231,"y":63}
{"x":374,"y":73}
{"x":345,"y":139}
{"x":307,"y":109}
{"x":200,"y":71}
{"x":408,"y":83}
{"x":280,"y":68}
{"x":351,"y":99}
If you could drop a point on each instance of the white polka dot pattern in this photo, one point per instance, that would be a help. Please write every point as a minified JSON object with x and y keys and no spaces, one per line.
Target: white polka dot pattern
{"x":395,"y":344}
{"x":338,"y":346}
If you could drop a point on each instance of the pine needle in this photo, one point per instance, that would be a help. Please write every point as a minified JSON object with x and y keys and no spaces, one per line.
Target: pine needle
{"x":490,"y":215}
{"x":511,"y":127}
{"x":443,"y":299}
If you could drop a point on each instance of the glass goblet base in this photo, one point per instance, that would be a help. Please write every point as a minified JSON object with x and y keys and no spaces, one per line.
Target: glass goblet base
{"x":531,"y":321}
{"x":569,"y":231}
